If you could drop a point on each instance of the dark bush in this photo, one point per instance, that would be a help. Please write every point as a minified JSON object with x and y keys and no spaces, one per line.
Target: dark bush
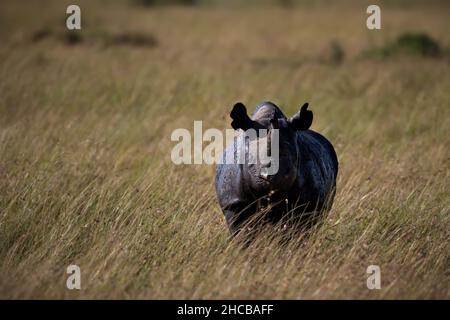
{"x":41,"y":34}
{"x":416,"y":44}
{"x":333,"y":53}
{"x":420,"y":44}
{"x":72,"y":37}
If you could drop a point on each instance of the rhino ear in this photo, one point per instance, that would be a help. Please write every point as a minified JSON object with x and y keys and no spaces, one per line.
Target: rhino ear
{"x":240,"y":118}
{"x":302,"y":120}
{"x":275,"y":124}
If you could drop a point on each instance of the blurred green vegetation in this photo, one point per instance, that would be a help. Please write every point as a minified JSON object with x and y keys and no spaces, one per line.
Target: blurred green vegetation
{"x":417,"y":44}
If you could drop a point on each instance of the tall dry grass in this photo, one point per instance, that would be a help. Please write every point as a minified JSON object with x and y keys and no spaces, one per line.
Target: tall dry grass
{"x":86,"y":176}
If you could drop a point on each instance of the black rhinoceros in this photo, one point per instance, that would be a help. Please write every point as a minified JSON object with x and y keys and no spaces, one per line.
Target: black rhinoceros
{"x":303,"y":186}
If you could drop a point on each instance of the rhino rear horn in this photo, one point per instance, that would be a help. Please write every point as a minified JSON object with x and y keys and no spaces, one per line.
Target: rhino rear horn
{"x":240,"y":118}
{"x":302,"y":120}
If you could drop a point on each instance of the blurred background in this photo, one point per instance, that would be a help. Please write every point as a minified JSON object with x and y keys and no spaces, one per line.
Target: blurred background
{"x":85,"y":124}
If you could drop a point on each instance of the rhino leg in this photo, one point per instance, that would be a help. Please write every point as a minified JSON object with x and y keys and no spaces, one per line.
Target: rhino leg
{"x":236,"y":217}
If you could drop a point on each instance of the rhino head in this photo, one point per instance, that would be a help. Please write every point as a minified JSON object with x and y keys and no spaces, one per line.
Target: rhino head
{"x":284,"y":159}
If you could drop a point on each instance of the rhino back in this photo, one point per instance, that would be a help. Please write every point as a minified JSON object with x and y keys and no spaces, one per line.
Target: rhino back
{"x":318,"y":167}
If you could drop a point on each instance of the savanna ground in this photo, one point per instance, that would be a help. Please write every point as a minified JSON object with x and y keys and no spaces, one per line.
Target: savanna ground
{"x":85,"y":170}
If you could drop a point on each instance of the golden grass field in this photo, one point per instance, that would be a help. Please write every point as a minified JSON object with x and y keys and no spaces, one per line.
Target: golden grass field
{"x":86,"y":176}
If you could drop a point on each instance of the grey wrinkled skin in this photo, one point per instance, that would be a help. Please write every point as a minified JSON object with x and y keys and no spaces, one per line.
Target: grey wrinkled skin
{"x":301,"y":190}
